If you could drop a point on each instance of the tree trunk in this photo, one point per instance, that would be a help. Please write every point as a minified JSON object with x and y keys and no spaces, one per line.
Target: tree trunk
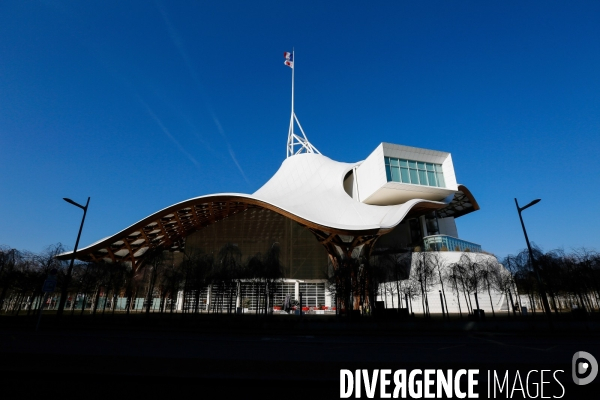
{"x":491,"y":303}
{"x":83,"y":303}
{"x":512,"y":303}
{"x":457,"y":296}
{"x":96,"y":300}
{"x":257,"y":291}
{"x":19,"y":304}
{"x":467,"y":299}
{"x":444,"y":294}
{"x":423,"y":298}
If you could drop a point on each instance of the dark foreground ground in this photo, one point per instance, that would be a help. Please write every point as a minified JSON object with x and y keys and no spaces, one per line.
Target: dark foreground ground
{"x":280,"y":357}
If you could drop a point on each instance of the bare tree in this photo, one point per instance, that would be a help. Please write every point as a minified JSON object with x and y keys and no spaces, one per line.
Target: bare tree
{"x":512,"y":267}
{"x":502,"y":280}
{"x":454,"y":277}
{"x":197,"y":271}
{"x":472,"y":275}
{"x":588,"y":262}
{"x":88,"y":278}
{"x":170,"y":282}
{"x":423,"y":272}
{"x":153,"y":265}
{"x":117,"y":274}
{"x":343,"y":276}
{"x":525,"y":277}
{"x":410,"y":289}
{"x":8,"y":260}
{"x":439,"y":266}
{"x":273,"y":272}
{"x":490,"y":271}
{"x":226,"y":267}
{"x":255,"y":272}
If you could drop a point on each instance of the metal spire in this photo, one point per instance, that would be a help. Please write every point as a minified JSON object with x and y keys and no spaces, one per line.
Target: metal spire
{"x":296,"y":144}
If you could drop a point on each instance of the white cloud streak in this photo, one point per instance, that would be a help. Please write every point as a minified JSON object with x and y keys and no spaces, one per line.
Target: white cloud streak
{"x":166,"y":132}
{"x":177,"y":42}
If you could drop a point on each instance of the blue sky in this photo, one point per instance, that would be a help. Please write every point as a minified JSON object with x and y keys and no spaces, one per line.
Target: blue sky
{"x":143,"y":104}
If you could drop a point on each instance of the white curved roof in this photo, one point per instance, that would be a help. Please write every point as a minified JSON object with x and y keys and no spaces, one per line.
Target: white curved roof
{"x":308,"y":188}
{"x":311,"y":186}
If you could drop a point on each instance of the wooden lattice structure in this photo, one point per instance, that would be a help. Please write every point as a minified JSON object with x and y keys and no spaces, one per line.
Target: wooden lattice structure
{"x":168,"y":228}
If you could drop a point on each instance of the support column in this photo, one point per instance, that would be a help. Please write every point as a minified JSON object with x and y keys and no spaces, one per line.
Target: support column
{"x":208,"y":295}
{"x":328,"y":295}
{"x":179,"y":302}
{"x":423,"y":223}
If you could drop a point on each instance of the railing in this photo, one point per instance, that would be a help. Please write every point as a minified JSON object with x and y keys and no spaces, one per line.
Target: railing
{"x":449,"y":243}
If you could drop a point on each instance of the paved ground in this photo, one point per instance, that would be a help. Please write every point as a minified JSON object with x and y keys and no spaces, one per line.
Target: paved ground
{"x":269,"y":358}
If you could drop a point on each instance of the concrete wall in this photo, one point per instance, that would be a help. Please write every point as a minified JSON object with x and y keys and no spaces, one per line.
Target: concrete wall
{"x":497,"y":301}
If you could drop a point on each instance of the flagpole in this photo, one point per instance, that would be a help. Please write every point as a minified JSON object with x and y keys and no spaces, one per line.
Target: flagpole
{"x":293,"y":61}
{"x":293,"y":139}
{"x":290,"y":145}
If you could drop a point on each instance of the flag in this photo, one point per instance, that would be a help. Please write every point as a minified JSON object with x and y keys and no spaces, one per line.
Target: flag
{"x":289,"y":59}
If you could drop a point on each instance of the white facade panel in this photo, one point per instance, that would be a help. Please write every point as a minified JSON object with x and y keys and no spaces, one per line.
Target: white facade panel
{"x":449,"y":175}
{"x":370,"y":174}
{"x":375,"y":189}
{"x":447,"y":226}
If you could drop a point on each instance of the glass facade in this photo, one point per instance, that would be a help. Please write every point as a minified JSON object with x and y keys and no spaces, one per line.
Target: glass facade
{"x":251,"y":294}
{"x":313,"y":294}
{"x":449,"y":243}
{"x":414,"y":172}
{"x":254,"y":231}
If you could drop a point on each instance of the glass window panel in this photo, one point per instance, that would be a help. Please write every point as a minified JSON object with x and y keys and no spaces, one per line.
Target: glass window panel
{"x":414,"y":179}
{"x":404,"y":175}
{"x":422,"y":177}
{"x":431,"y":178}
{"x":414,"y":172}
{"x":440,"y":179}
{"x":395,"y":174}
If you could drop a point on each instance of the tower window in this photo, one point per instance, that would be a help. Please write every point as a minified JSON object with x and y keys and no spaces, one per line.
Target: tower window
{"x":414,"y":172}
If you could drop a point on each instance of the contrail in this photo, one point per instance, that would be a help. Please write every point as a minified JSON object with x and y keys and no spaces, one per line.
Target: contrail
{"x":231,"y":153}
{"x":102,"y":57}
{"x":179,"y":45}
{"x":166,"y":132}
{"x":196,"y":131}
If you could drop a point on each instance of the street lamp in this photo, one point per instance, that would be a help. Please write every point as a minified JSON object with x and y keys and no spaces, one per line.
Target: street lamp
{"x":532,"y":260}
{"x":65,"y":286}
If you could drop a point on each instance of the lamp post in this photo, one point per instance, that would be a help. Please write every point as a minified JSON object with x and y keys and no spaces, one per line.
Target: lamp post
{"x":65,"y":285}
{"x":532,"y":260}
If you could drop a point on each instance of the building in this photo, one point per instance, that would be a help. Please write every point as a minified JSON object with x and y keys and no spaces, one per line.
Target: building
{"x":321,"y":213}
{"x":318,"y":210}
